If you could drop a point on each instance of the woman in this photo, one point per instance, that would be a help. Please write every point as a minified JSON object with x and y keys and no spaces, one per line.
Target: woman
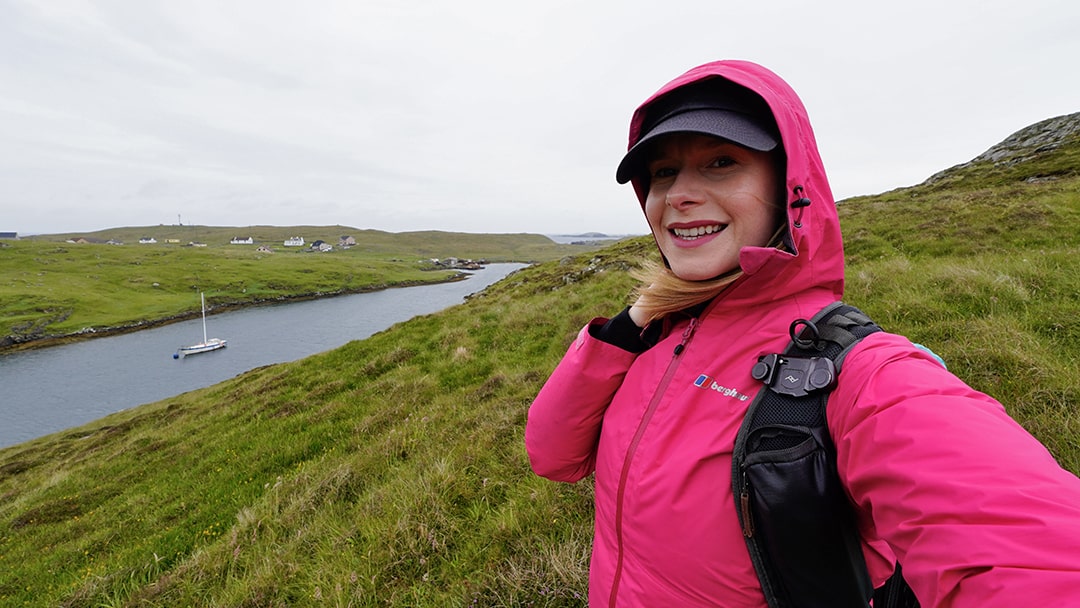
{"x":725,"y":165}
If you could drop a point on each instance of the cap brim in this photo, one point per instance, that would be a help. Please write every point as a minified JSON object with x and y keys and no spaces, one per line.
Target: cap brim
{"x":732,"y":126}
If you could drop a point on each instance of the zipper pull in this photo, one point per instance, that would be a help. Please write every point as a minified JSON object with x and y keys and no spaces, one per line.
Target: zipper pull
{"x":748,"y":519}
{"x":687,"y":333}
{"x":744,"y":503}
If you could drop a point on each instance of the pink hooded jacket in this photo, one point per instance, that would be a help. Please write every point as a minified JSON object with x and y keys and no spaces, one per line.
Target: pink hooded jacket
{"x":942,"y":479}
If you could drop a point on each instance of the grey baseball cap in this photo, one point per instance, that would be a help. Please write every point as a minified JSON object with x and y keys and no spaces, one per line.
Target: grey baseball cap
{"x":715,"y":107}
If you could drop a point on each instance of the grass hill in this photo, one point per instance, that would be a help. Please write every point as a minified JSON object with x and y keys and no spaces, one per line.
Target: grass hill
{"x":392,"y":472}
{"x":424,"y":244}
{"x":52,"y":289}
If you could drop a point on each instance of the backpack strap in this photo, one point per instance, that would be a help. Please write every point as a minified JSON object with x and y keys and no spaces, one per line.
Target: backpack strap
{"x":797,"y":521}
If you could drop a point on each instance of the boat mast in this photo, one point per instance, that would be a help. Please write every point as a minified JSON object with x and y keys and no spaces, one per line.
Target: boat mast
{"x":203,"y":298}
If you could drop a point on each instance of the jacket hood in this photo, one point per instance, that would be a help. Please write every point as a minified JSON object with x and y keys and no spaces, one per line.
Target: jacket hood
{"x":816,"y":259}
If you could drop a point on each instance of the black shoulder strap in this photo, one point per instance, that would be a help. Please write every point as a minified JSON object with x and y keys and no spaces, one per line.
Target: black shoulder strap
{"x":797,"y":521}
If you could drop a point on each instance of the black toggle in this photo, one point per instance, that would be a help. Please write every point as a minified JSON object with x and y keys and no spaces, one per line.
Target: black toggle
{"x":800,"y":203}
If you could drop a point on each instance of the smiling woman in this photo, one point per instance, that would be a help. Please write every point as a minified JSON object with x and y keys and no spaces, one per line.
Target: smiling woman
{"x":929,"y":471}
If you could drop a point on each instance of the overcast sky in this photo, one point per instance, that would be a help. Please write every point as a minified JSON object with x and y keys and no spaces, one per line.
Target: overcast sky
{"x":474,"y":115}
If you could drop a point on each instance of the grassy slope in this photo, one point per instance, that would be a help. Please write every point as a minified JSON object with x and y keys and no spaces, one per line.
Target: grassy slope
{"x":53,"y":288}
{"x":391,"y":471}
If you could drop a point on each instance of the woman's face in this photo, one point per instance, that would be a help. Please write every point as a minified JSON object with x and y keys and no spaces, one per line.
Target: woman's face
{"x":708,"y":198}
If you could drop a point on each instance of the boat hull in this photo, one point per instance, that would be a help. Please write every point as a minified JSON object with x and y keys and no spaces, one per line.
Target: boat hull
{"x":203,"y":347}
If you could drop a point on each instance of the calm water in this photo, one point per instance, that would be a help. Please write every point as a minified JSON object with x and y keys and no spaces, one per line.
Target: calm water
{"x":48,"y":390}
{"x":566,"y":239}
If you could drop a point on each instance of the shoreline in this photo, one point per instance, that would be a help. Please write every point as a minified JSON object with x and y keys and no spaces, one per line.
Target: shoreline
{"x":9,"y":345}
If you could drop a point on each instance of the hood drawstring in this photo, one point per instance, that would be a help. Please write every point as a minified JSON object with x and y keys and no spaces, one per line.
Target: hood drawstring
{"x":800,"y":203}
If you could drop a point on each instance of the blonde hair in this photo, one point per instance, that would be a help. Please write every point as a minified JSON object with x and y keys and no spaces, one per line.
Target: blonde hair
{"x":662,"y":293}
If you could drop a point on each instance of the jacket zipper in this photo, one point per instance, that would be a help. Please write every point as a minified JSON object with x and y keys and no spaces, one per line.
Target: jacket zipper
{"x":645,"y":418}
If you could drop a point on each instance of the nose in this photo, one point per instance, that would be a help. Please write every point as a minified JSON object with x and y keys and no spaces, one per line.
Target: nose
{"x":685,"y":190}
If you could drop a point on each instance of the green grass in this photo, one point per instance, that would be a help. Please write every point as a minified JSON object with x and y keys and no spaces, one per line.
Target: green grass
{"x":53,"y":289}
{"x":392,"y":471}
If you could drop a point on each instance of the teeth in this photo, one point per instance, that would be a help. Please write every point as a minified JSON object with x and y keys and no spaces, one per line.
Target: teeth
{"x":697,"y":231}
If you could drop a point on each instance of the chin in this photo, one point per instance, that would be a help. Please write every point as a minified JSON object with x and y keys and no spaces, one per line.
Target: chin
{"x":700,"y":273}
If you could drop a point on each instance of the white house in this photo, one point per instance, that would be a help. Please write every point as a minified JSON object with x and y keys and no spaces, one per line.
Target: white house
{"x":242,"y":240}
{"x":296,"y":241}
{"x":147,"y":240}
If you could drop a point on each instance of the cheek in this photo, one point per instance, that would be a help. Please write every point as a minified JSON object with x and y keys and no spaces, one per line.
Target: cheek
{"x":762,"y":220}
{"x":654,"y":212}
{"x":767,"y":213}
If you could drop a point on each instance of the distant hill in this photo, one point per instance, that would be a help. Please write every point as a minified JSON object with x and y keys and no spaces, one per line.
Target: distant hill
{"x":431,"y":243}
{"x":392,"y":471}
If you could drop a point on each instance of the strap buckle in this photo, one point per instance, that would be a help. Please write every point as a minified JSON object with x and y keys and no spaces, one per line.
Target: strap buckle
{"x":795,"y":376}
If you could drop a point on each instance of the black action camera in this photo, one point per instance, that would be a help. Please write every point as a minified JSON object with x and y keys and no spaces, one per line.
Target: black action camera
{"x":795,"y":376}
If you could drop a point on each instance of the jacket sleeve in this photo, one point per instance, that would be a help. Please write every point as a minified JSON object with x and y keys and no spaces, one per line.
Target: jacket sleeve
{"x":976,"y":510}
{"x":563,"y":427}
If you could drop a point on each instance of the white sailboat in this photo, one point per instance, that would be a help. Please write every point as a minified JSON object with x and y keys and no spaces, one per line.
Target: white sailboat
{"x":206,"y":345}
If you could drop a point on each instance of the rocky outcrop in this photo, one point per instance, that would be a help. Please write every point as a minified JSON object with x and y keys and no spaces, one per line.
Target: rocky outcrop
{"x":1025,"y":144}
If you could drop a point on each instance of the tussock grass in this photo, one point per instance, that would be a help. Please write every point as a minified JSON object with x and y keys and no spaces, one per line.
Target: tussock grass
{"x":392,"y":471}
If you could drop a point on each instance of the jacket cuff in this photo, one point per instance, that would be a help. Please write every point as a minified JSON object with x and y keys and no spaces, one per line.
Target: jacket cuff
{"x":620,"y":331}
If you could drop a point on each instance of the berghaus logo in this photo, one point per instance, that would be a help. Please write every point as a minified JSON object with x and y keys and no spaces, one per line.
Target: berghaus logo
{"x":707,"y":382}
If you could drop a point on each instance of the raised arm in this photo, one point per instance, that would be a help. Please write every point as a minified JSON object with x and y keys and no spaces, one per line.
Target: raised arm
{"x":564,"y":420}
